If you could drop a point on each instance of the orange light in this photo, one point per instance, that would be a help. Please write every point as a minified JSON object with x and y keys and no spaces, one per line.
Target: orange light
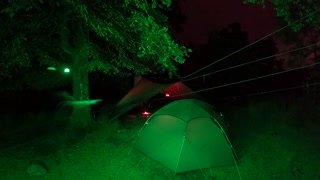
{"x":167,"y":94}
{"x":145,"y":114}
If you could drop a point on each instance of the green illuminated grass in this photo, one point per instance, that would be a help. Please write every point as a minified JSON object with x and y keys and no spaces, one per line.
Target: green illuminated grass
{"x":272,"y":140}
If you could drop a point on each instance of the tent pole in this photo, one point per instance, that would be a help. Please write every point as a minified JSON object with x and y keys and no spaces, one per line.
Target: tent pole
{"x":180,"y":152}
{"x":235,"y":157}
{"x":195,"y":158}
{"x":236,"y":162}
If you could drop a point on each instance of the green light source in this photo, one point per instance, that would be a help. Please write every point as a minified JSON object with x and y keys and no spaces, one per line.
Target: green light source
{"x":66,"y":70}
{"x":51,"y":68}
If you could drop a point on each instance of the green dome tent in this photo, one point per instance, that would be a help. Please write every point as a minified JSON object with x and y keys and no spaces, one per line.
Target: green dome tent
{"x":186,"y":135}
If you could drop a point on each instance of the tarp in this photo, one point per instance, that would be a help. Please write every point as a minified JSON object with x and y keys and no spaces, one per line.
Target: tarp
{"x":142,"y":91}
{"x":186,"y":135}
{"x":145,"y":89}
{"x":180,"y":91}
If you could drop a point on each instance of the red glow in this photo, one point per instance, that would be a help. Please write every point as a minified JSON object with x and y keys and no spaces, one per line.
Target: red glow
{"x":145,"y":114}
{"x":167,"y":94}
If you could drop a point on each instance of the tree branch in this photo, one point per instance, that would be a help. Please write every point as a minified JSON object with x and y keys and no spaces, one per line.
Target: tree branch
{"x":65,"y":34}
{"x":80,"y":34}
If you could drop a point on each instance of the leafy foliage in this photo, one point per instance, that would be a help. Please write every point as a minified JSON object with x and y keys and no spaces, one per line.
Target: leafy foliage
{"x":119,"y":36}
{"x":176,"y":18}
{"x":292,"y":10}
{"x":303,"y":17}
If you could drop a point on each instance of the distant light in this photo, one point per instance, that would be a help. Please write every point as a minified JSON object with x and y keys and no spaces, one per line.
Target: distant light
{"x":167,"y":94}
{"x":51,"y":68}
{"x":146,"y":114}
{"x":66,"y":70}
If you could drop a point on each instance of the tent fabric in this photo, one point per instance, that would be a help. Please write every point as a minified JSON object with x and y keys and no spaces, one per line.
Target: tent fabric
{"x":186,"y":135}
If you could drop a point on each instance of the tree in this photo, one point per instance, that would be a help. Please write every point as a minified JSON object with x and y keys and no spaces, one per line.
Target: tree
{"x":294,"y":40}
{"x":306,"y":11}
{"x":113,"y":37}
{"x":303,"y":18}
{"x":175,"y":16}
{"x":220,"y":44}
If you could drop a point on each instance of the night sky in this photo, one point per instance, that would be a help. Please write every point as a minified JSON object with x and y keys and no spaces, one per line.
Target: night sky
{"x":204,"y":15}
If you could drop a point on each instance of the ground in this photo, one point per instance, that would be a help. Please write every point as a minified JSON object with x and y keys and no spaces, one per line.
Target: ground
{"x":269,"y":141}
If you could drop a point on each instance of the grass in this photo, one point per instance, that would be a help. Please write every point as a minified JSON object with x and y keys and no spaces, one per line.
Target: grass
{"x":273,"y":139}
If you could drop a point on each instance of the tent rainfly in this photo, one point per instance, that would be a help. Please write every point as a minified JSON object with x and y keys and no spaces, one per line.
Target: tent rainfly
{"x":186,"y":135}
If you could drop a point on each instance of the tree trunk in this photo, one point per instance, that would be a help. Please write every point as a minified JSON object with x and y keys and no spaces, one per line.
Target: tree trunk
{"x":81,"y":116}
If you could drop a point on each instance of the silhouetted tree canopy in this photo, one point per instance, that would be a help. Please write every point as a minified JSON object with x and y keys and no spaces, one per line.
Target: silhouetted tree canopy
{"x":220,"y":44}
{"x":292,"y":10}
